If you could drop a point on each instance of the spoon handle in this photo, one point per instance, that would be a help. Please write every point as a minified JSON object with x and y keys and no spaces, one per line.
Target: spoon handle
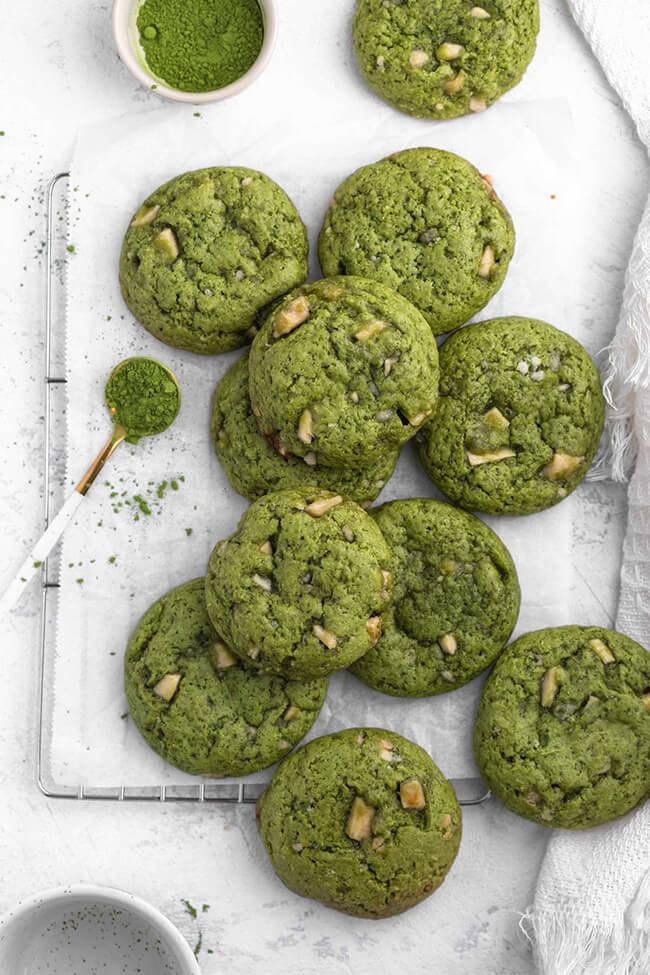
{"x":53,"y":533}
{"x":39,"y":553}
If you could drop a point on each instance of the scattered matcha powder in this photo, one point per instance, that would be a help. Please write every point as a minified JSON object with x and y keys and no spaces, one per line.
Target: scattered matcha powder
{"x":191,"y":910}
{"x":145,"y":501}
{"x":142,"y":504}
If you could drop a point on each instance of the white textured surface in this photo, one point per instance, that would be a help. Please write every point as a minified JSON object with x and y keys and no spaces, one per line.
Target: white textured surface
{"x":62,"y":55}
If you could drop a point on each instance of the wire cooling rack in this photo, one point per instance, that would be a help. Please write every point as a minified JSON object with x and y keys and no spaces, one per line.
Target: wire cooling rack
{"x":470,"y":791}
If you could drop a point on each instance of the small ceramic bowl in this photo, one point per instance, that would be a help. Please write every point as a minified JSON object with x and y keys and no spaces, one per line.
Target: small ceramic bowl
{"x":125,"y":33}
{"x":88,"y":928}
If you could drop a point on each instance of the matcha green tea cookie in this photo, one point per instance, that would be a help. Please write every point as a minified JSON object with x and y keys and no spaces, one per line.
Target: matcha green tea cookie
{"x":361,"y":820}
{"x":301,"y":587}
{"x":519,"y":418}
{"x":455,"y":600}
{"x":562,"y":735}
{"x":254,"y":467}
{"x":342,"y":372}
{"x":444,"y":58}
{"x":197,"y":705}
{"x":426,"y":223}
{"x":206,"y":251}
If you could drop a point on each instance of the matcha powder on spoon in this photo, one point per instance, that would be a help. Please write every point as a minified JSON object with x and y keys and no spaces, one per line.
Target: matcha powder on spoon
{"x":143,"y":397}
{"x":200,"y":45}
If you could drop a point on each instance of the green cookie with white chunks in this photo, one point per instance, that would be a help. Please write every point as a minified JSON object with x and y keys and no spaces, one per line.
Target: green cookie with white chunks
{"x":197,"y":705}
{"x":562,"y":734}
{"x":362,"y":821}
{"x":342,"y":372}
{"x":206,"y":252}
{"x":300,"y":589}
{"x":455,"y":600}
{"x":441,"y":59}
{"x":254,"y":467}
{"x":519,"y":418}
{"x":426,"y":223}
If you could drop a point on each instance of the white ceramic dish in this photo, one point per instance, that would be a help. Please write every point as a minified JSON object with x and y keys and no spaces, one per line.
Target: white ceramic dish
{"x":125,"y":34}
{"x":84,"y":929}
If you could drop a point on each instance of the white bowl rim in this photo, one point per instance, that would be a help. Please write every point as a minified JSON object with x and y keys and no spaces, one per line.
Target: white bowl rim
{"x":107,"y":895}
{"x":122,"y":10}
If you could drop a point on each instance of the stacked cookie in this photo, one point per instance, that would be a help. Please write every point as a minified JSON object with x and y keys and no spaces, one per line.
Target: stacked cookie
{"x":342,"y":373}
{"x":201,"y":708}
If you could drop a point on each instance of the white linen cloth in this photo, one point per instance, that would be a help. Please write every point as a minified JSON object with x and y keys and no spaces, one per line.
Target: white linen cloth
{"x":591,"y":914}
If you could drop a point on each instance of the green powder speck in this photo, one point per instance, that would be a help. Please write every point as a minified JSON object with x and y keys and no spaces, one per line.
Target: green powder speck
{"x":79,"y":581}
{"x":143,"y":397}
{"x":188,"y":532}
{"x":139,"y":500}
{"x":142,"y":504}
{"x":191,"y":910}
{"x":37,"y":565}
{"x":200,"y":45}
{"x":70,"y":248}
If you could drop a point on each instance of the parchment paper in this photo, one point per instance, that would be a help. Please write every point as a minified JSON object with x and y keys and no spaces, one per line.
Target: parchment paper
{"x":124,"y":563}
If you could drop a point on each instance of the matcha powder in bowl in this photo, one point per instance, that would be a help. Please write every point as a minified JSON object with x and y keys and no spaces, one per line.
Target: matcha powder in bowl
{"x":200,"y":45}
{"x":143,"y":397}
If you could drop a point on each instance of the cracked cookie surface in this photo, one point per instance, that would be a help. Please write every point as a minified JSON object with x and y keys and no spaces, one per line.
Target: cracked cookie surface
{"x":562,"y":734}
{"x":519,"y":417}
{"x":206,"y":251}
{"x":197,"y":705}
{"x":444,"y":58}
{"x":301,"y":587}
{"x":254,"y":467}
{"x":344,"y":370}
{"x":455,"y":600}
{"x":361,"y":820}
{"x":426,"y":223}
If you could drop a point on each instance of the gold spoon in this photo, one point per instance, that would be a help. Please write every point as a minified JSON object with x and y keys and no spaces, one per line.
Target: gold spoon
{"x":120,"y":433}
{"x":54,"y":531}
